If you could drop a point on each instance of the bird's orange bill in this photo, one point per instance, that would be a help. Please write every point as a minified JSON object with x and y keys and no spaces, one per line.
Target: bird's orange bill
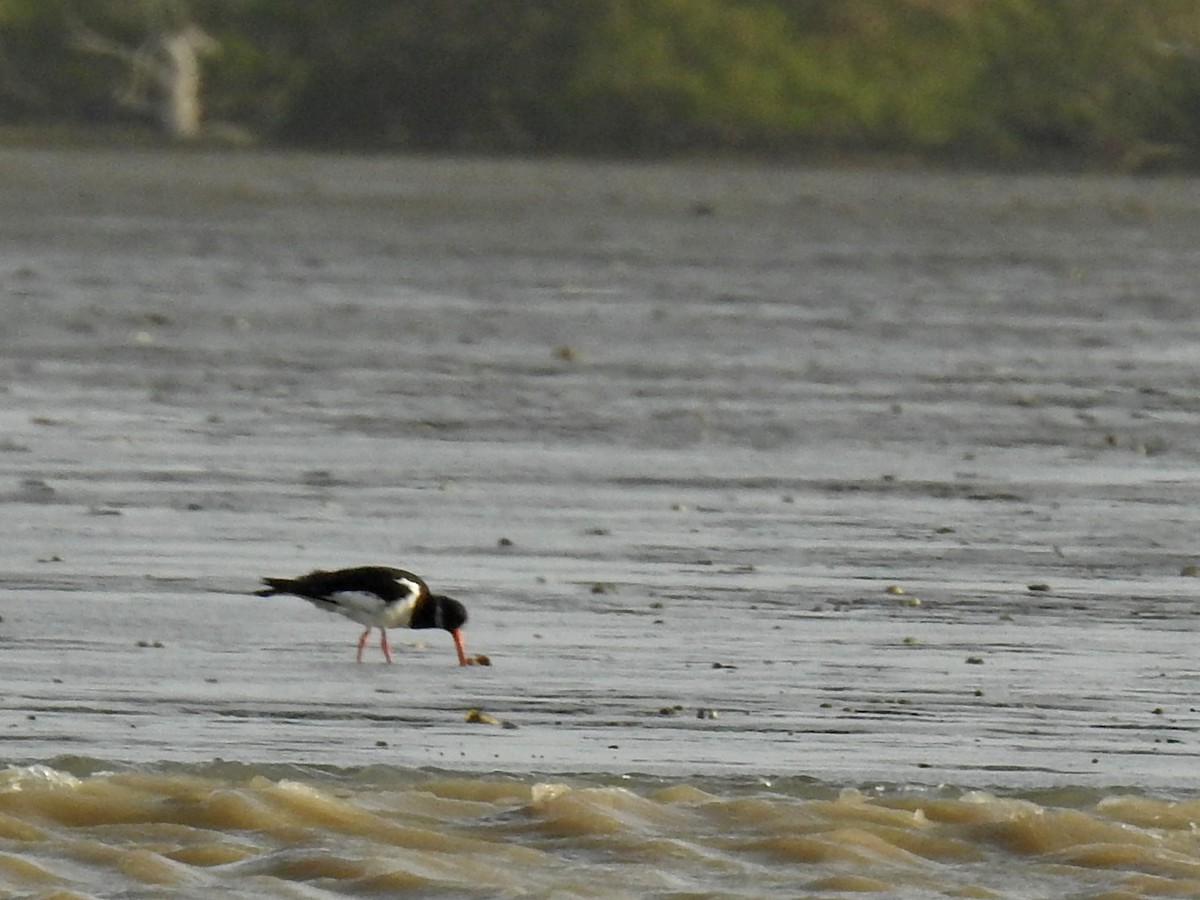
{"x":458,"y":645}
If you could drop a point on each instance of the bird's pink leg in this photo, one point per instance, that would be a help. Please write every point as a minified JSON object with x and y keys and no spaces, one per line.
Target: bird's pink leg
{"x":383,"y":642}
{"x":362,"y":642}
{"x":458,"y":645}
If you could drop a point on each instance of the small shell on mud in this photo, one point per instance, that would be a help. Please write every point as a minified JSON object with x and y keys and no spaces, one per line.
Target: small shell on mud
{"x":479,"y":717}
{"x":894,"y":589}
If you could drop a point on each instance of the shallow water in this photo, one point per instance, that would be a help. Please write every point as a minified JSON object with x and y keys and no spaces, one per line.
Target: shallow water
{"x":761,"y":485}
{"x":238,"y":830}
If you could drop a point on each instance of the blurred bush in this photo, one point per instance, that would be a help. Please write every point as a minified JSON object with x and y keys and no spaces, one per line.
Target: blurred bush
{"x":1110,"y":81}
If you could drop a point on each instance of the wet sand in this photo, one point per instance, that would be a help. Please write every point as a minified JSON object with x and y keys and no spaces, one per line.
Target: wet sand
{"x":678,"y":436}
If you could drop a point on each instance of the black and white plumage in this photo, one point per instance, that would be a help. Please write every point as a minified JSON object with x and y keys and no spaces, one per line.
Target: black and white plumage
{"x":377,"y":597}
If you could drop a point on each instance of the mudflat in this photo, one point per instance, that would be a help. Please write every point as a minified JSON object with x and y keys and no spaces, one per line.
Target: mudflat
{"x":741,"y":471}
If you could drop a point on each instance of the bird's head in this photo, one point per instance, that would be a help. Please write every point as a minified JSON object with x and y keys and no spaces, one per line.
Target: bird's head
{"x":449,"y":613}
{"x":446,"y":613}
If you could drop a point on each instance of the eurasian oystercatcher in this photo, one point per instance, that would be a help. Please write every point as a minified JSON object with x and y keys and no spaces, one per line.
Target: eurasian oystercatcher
{"x":377,"y":597}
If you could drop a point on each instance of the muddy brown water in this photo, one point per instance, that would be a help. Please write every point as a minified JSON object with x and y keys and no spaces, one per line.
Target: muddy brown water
{"x":843,"y":493}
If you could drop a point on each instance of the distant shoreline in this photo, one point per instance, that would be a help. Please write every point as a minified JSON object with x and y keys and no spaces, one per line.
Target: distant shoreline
{"x":1147,"y":159}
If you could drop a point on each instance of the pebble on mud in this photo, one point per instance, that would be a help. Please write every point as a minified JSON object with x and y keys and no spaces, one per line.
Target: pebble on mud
{"x":1037,"y":587}
{"x":479,"y":659}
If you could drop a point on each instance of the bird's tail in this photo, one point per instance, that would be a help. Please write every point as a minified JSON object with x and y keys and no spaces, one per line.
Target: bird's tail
{"x":274,"y":586}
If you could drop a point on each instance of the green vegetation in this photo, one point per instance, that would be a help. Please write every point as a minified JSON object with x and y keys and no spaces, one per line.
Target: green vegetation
{"x":1110,"y":82}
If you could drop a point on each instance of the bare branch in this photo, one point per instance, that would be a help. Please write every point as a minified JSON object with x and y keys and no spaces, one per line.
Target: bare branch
{"x":163,"y":71}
